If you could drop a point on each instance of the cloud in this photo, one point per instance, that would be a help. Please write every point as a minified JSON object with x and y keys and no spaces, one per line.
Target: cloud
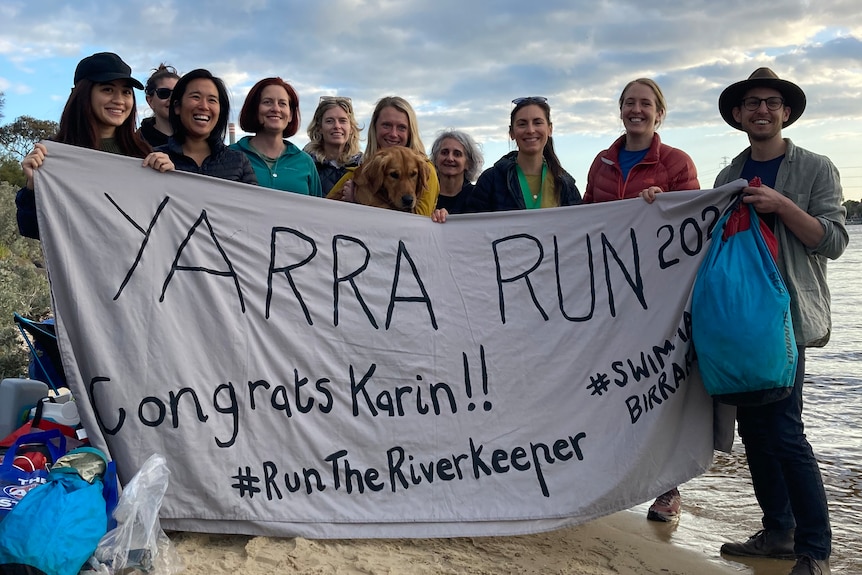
{"x":460,"y":63}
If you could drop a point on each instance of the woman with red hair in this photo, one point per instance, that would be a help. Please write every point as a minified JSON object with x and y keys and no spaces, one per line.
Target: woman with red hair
{"x":271,"y":113}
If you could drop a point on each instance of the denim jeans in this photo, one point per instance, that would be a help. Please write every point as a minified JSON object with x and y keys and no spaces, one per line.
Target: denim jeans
{"x":786,"y":477}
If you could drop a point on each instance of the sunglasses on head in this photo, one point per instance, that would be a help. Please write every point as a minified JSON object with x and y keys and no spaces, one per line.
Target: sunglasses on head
{"x":336,"y":100}
{"x":162,"y":93}
{"x":530,"y":100}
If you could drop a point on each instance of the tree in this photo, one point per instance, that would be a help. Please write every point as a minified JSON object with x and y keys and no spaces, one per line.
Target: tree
{"x":19,"y":137}
{"x":854,"y":210}
{"x":7,"y":165}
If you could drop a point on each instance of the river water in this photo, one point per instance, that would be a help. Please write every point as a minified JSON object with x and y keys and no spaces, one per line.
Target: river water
{"x":720,"y":506}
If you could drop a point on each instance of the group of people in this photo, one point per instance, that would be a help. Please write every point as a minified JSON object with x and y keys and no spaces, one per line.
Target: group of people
{"x":800,"y":199}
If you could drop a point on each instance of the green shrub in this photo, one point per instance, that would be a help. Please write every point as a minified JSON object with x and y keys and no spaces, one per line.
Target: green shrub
{"x":23,"y":286}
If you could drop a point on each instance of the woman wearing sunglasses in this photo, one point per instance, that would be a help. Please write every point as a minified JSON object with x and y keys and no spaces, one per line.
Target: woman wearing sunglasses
{"x":333,"y":136}
{"x":530,"y":177}
{"x":156,"y":129}
{"x":271,"y":113}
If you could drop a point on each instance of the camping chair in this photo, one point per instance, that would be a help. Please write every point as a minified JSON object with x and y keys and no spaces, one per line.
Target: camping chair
{"x":45,"y":362}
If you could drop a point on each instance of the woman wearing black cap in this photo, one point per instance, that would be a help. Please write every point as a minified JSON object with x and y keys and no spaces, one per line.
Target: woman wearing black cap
{"x":100,"y":115}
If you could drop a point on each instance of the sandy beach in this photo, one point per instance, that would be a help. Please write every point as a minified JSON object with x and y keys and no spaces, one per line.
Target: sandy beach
{"x":620,"y":544}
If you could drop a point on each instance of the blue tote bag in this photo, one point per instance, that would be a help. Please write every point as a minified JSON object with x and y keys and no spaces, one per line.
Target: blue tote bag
{"x":740,"y":313}
{"x":15,"y":482}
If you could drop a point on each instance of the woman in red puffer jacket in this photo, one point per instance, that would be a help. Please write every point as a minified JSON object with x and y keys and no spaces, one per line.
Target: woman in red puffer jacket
{"x":638,"y":162}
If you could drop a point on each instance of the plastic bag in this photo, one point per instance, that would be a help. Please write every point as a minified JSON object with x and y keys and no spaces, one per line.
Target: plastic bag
{"x":138,"y":542}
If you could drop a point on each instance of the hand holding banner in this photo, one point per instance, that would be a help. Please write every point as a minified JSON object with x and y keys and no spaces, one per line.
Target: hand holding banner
{"x":315,"y":368}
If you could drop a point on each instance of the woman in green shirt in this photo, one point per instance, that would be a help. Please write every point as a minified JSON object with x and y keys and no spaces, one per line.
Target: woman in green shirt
{"x":271,"y":113}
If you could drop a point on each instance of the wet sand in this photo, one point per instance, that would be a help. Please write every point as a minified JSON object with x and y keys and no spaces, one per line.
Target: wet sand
{"x":621,"y":544}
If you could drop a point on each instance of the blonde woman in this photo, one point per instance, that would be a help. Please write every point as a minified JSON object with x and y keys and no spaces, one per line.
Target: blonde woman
{"x":393,"y":123}
{"x":333,"y":136}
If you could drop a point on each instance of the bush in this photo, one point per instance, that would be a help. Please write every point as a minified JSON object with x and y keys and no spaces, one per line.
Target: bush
{"x":23,"y":286}
{"x":11,"y":171}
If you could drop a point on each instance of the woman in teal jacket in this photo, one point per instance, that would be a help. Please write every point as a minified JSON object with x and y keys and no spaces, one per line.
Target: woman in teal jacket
{"x":271,"y":113}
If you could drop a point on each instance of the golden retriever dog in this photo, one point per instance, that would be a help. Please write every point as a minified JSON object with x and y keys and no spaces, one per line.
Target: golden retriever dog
{"x":394,"y":178}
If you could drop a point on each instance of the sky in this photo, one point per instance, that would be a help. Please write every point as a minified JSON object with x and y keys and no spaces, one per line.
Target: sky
{"x":460,"y":63}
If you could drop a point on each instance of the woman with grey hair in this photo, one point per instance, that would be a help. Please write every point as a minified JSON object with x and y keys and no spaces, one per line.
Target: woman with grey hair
{"x":458,"y":160}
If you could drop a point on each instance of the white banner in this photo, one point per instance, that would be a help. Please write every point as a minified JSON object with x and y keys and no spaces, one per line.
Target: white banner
{"x":315,"y":368}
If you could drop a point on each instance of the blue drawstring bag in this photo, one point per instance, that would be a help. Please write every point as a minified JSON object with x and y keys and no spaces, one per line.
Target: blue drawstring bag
{"x":742,"y":330}
{"x":57,"y":526}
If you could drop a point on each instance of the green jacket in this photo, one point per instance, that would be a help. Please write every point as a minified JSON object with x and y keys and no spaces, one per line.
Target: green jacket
{"x":812,"y":182}
{"x":294,"y":170}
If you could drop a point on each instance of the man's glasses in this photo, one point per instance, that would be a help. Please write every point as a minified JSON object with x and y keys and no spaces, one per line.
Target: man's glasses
{"x":340,"y":100}
{"x":530,"y":100}
{"x":162,"y":93}
{"x":772,"y":103}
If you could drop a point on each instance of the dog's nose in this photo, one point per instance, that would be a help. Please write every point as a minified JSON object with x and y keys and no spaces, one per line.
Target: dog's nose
{"x":407,"y":202}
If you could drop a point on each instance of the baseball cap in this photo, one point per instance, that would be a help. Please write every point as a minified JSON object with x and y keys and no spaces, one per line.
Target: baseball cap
{"x":105,"y":67}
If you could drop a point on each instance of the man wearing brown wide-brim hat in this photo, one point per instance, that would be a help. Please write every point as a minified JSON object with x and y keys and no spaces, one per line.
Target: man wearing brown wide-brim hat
{"x":800,"y":198}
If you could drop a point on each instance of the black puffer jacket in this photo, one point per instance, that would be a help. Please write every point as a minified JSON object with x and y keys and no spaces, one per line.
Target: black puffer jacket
{"x":222,"y":163}
{"x":28,"y":225}
{"x":329,"y":175}
{"x":150,"y":134}
{"x":498,"y":189}
{"x":329,"y":171}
